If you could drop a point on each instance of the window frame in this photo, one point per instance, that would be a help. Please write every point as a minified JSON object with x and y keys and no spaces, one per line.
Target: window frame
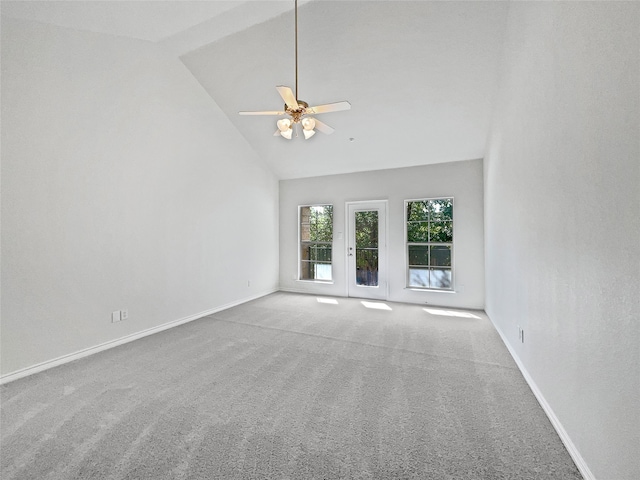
{"x":300,"y":241}
{"x":407,"y":244}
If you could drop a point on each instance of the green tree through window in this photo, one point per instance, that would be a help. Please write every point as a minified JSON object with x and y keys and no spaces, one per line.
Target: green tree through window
{"x":316,"y":238}
{"x":366,"y":233}
{"x":429,"y":243}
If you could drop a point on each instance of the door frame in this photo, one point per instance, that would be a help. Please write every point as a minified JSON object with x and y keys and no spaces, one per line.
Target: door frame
{"x":381,"y":292}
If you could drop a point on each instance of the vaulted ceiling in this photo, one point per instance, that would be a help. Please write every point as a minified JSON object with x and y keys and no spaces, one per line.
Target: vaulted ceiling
{"x":420,"y":75}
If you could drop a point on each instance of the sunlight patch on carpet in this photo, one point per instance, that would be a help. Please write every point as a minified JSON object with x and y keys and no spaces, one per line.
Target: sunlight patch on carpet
{"x":376,"y":305}
{"x":450,"y":313}
{"x":332,"y":301}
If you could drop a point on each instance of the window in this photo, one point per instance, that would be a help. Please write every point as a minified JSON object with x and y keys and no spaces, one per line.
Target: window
{"x":429,"y":243}
{"x":316,"y":237}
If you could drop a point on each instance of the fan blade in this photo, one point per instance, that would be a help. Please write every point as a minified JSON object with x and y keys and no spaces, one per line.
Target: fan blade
{"x":289,"y":98}
{"x":323,"y":127}
{"x":272,"y":112}
{"x":329,"y":107}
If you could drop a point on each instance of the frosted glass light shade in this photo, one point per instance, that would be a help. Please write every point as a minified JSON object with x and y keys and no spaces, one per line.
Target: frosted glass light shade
{"x":284,"y":124}
{"x":308,"y":123}
{"x":286,"y":134}
{"x":308,"y":133}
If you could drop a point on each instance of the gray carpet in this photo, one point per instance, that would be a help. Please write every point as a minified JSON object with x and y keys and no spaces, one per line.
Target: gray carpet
{"x":286,"y":387}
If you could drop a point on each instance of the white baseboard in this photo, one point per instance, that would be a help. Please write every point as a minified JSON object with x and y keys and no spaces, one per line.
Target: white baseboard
{"x":562,"y":433}
{"x":308,"y":292}
{"x":25,"y":372}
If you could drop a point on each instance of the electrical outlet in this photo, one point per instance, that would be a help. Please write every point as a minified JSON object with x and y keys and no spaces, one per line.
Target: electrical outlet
{"x":115,"y":316}
{"x":124,"y":314}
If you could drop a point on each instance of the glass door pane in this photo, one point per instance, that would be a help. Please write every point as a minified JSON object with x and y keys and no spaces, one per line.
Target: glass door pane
{"x":366,"y":232}
{"x":366,"y":249}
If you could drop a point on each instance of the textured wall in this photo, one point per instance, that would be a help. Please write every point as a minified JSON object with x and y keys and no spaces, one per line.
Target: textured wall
{"x":562,"y":203}
{"x":462,"y":180}
{"x":123,"y":186}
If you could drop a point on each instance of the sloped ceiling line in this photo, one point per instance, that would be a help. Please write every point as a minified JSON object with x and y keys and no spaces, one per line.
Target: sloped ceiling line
{"x":420,"y":75}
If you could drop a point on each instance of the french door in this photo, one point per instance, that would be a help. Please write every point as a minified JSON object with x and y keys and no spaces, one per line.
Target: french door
{"x":367,"y":249}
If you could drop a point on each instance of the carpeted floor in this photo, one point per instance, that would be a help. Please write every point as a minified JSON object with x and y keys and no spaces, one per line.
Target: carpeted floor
{"x":288,"y":387}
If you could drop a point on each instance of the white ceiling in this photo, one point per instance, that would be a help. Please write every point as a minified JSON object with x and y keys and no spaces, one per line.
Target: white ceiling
{"x":420,"y":75}
{"x":145,"y":20}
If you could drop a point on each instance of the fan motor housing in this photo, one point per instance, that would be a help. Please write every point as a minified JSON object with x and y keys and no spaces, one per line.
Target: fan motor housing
{"x":299,"y":112}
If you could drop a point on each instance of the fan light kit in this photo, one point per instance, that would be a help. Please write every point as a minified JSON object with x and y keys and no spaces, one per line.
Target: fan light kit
{"x":300,"y":112}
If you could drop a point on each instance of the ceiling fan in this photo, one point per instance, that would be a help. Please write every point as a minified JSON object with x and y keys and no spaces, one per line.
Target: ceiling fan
{"x":299,"y":111}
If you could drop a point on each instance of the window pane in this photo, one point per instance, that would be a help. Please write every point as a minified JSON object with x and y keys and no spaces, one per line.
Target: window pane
{"x":418,"y":255}
{"x":418,"y":277}
{"x":316,"y":236}
{"x":309,"y":251}
{"x":306,"y":270}
{"x":417,"y":211}
{"x":315,"y":271}
{"x":367,"y":267}
{"x":440,"y":278}
{"x":441,"y":209}
{"x":440,"y":256}
{"x":367,"y":229}
{"x":321,"y":253}
{"x":441,"y":232}
{"x":321,"y":220}
{"x":322,"y":271}
{"x":418,"y":232}
{"x":367,"y":248}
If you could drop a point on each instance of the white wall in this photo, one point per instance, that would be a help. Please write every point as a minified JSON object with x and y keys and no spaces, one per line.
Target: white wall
{"x":562,"y":206}
{"x":462,"y":180}
{"x":123,"y":186}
